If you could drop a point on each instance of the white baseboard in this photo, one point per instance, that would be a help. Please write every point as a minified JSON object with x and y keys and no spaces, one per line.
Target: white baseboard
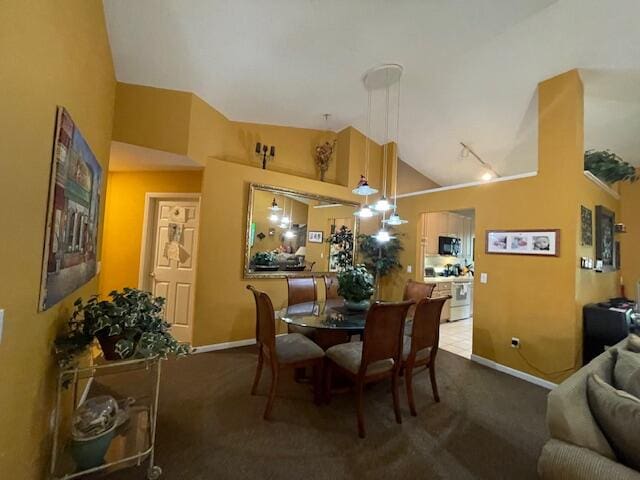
{"x":224,"y":346}
{"x":513,"y":372}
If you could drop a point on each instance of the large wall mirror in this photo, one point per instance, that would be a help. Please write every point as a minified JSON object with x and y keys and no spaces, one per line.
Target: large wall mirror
{"x":289,"y":233}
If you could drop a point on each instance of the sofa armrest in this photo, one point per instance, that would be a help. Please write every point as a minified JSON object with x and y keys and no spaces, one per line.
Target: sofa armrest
{"x":563,"y":461}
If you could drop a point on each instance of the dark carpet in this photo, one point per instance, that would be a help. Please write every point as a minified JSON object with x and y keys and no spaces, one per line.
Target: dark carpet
{"x":488,"y":425}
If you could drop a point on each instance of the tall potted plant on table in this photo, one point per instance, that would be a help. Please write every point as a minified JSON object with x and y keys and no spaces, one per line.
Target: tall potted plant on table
{"x":355,"y":285}
{"x":130,"y":324}
{"x":380,"y":258}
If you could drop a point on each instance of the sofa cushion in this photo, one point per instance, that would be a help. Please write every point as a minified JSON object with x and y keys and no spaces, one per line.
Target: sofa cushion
{"x":633,"y":343}
{"x":618,"y":415}
{"x":627,"y":364}
{"x":568,"y":415}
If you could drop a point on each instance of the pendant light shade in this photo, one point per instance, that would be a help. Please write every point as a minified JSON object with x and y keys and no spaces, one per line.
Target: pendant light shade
{"x":394,"y":220}
{"x":383,"y":236}
{"x":363,"y":187}
{"x":274,"y":218}
{"x":289,"y":234}
{"x":365,"y":212}
{"x":383,"y":205}
{"x":274,"y":206}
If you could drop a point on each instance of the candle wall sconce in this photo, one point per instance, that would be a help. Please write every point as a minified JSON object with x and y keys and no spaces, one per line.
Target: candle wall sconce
{"x":265,"y":153}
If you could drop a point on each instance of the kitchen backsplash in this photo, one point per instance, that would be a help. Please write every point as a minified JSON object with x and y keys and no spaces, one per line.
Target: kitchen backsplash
{"x":438,"y":262}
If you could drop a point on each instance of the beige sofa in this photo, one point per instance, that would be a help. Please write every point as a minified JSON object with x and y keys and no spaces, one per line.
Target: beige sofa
{"x":578,"y":449}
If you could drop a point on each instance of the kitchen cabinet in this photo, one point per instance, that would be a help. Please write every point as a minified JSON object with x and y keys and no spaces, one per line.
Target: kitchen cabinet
{"x":447,"y":224}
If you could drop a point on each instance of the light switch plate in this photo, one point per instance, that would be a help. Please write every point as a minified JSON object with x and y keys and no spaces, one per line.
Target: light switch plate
{"x":483,"y":278}
{"x":1,"y":323}
{"x":409,"y":268}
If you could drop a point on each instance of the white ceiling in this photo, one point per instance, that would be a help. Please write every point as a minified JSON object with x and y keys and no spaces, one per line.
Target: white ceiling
{"x":470,"y":67}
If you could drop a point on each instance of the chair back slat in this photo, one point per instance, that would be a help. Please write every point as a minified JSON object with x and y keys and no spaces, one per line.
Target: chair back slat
{"x":383,"y":332}
{"x":301,"y":290}
{"x":426,"y":323}
{"x":331,"y":287}
{"x":265,"y":319}
{"x":416,"y":291}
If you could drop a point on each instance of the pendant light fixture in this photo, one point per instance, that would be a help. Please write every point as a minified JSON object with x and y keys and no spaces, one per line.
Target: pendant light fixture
{"x":290,"y":233}
{"x":383,"y":205}
{"x":363,"y":187}
{"x":274,"y":206}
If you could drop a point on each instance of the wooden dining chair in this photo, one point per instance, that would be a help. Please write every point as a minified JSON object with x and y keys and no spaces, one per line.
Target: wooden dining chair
{"x":301,"y":290}
{"x":421,"y":348}
{"x":331,"y":287}
{"x":377,"y":357}
{"x":292,"y":350}
{"x":415,"y":291}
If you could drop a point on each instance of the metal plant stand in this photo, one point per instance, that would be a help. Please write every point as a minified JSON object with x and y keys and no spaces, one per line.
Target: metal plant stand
{"x":134,"y":442}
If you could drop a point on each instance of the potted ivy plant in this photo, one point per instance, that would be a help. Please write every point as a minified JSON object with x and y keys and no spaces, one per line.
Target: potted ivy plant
{"x":265,"y":261}
{"x":129,"y":325}
{"x":355,"y":285}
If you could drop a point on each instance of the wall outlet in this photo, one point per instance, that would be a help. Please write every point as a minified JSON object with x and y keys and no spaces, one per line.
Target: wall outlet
{"x":484,"y":278}
{"x":515,"y":342}
{"x":1,"y":323}
{"x":409,"y":268}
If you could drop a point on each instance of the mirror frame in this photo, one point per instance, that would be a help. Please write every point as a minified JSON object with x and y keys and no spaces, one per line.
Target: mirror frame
{"x":283,"y":191}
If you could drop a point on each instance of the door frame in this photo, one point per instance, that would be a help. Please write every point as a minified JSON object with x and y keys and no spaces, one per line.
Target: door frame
{"x":148,"y":226}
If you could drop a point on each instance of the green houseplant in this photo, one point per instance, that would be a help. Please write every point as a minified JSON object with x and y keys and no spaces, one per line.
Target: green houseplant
{"x":380,"y":258}
{"x":130,"y":324}
{"x":355,"y":285}
{"x":609,"y":167}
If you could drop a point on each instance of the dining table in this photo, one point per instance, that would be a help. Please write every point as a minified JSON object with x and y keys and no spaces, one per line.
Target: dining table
{"x":333,"y":322}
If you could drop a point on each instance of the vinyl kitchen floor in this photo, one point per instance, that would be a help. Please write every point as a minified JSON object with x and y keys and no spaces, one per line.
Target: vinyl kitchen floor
{"x":456,"y":337}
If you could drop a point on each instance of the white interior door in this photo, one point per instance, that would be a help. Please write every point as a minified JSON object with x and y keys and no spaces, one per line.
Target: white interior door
{"x":173,"y":262}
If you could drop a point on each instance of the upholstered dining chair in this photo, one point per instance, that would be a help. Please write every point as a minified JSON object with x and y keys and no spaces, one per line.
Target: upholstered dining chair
{"x":421,"y":348}
{"x":377,"y":357}
{"x":415,"y":291}
{"x":292,"y":350}
{"x":301,"y":290}
{"x":331,"y":287}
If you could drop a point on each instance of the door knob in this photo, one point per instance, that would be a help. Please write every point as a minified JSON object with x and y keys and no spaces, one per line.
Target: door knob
{"x":152,"y":274}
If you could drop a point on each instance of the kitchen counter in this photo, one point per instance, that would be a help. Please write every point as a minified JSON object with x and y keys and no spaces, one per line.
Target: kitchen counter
{"x":465,"y":279}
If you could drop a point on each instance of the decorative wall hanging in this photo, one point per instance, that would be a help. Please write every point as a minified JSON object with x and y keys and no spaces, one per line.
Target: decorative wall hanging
{"x":73,"y":210}
{"x":265,"y":153}
{"x":586,"y":226}
{"x":315,"y":236}
{"x":605,"y":243}
{"x":524,"y":242}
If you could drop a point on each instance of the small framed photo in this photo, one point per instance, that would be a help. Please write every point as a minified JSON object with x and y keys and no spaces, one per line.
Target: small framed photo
{"x":315,"y":237}
{"x":524,"y":242}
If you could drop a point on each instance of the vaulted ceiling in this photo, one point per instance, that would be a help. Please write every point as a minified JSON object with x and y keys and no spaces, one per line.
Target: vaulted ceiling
{"x":470,"y":67}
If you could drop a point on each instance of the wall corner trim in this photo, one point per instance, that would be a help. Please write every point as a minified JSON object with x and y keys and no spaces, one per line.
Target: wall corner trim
{"x":601,"y":184}
{"x":470,"y":184}
{"x":224,"y":346}
{"x":513,"y":372}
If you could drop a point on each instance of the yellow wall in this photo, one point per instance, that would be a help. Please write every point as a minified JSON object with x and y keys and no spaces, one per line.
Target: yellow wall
{"x":410,"y":180}
{"x":224,"y":310}
{"x":533,"y":298}
{"x":630,"y":215}
{"x":124,"y":213}
{"x":52,"y":54}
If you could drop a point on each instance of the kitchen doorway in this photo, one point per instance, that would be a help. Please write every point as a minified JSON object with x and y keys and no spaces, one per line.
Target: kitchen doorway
{"x":168,"y":256}
{"x":448,"y":256}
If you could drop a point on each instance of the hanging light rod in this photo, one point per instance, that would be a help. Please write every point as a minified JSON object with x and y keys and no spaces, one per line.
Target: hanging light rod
{"x":486,"y":165}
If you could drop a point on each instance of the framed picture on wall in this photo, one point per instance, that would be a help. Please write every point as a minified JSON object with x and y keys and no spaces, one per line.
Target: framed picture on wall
{"x":315,"y":236}
{"x":73,"y":212}
{"x":524,"y":242}
{"x":605,"y":242}
{"x":586,"y":226}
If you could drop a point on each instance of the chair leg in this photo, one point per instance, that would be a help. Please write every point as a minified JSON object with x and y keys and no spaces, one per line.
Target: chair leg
{"x":396,"y":397}
{"x":328,"y":372}
{"x":360,"y":409}
{"x":272,"y":392}
{"x":256,"y":380}
{"x":434,"y":385}
{"x":409,"y":381}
